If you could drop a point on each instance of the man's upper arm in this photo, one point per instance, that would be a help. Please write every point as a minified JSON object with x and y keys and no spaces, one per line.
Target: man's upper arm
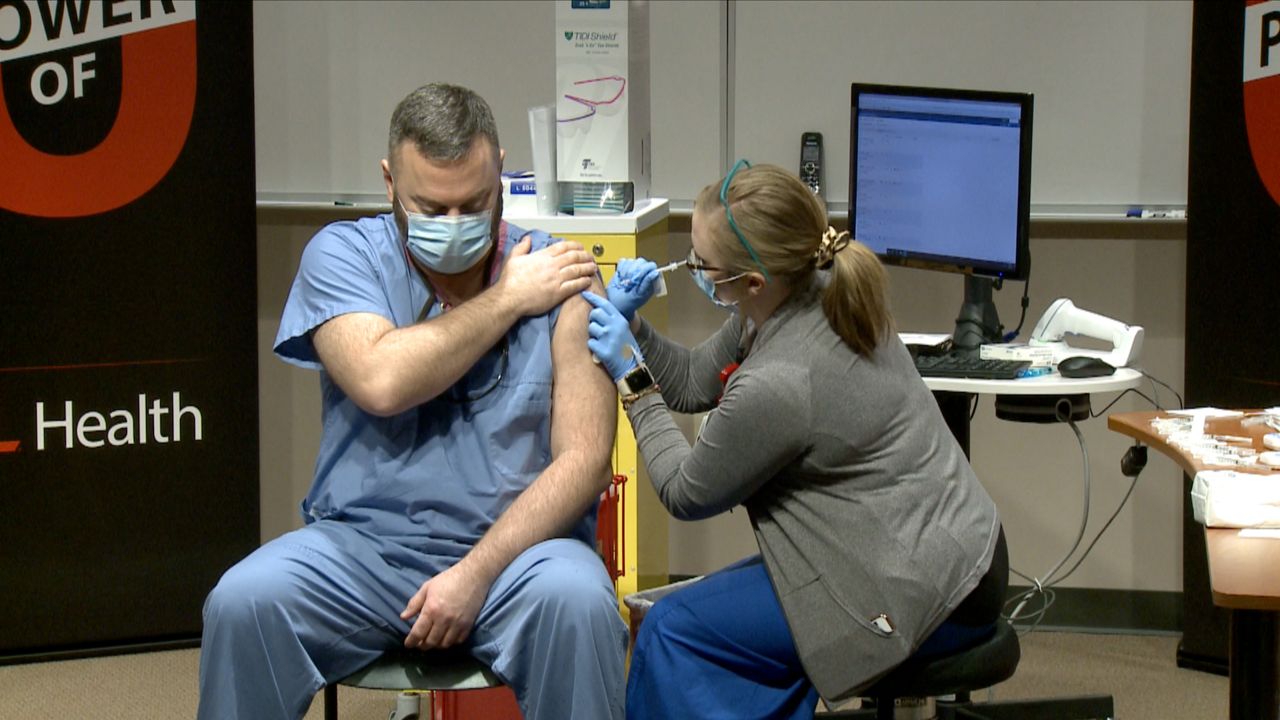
{"x":342,"y":342}
{"x":336,"y":276}
{"x":584,"y":411}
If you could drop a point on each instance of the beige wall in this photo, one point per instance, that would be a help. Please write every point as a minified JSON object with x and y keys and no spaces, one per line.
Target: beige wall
{"x":289,"y":397}
{"x":327,"y":73}
{"x":1132,"y":271}
{"x":1111,"y":82}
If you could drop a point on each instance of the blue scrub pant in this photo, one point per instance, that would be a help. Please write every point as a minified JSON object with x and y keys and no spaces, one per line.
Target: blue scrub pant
{"x":721,"y":648}
{"x":319,"y":603}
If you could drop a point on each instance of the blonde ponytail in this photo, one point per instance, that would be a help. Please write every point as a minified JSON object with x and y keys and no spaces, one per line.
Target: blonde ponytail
{"x":856,"y":298}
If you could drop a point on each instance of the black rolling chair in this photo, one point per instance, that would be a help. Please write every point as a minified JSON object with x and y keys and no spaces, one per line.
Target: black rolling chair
{"x":974,"y":669}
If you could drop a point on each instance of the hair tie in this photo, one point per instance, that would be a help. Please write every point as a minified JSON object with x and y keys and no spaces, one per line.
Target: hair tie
{"x":830,"y":244}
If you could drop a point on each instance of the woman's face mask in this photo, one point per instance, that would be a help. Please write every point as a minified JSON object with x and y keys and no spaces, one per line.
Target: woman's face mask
{"x":447,"y":244}
{"x":708,"y":287}
{"x":698,"y":270}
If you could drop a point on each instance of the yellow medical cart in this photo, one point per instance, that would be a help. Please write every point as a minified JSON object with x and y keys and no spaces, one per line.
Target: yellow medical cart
{"x":642,"y":521}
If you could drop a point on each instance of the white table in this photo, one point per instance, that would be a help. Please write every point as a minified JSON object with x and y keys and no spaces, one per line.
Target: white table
{"x":1051,"y":384}
{"x":1033,"y":399}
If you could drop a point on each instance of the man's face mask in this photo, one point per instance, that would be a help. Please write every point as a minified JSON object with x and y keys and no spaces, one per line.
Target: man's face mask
{"x":447,"y":244}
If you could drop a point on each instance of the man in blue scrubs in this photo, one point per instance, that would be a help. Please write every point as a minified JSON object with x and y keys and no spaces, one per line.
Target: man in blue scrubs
{"x":466,"y":440}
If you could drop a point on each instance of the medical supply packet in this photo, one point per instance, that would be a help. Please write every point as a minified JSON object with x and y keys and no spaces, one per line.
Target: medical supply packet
{"x":1232,"y":499}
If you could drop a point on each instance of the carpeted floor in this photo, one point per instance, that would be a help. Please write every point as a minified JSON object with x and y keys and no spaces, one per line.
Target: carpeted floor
{"x":1138,"y":670}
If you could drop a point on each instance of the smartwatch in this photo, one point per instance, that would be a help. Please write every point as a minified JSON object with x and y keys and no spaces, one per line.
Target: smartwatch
{"x":637,"y":380}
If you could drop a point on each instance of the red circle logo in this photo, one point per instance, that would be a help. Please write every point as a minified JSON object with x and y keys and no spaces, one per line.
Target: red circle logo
{"x":1262,"y":90}
{"x":157,"y":96}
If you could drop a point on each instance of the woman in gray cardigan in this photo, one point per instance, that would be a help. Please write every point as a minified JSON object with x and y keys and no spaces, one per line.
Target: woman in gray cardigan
{"x":876,"y":539}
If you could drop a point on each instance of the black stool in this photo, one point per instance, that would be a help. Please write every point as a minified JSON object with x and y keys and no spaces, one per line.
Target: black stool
{"x":979,"y":667}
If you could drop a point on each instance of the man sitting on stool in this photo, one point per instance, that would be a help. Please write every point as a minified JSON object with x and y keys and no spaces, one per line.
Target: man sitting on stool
{"x":466,"y":438}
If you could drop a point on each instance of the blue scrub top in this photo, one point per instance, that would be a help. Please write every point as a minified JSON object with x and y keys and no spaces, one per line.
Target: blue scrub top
{"x":435,"y":477}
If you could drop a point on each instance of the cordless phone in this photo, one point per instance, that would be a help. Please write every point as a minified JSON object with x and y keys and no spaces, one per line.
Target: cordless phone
{"x":811,"y":161}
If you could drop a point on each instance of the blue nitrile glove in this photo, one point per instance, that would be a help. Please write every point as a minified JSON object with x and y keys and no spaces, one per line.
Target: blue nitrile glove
{"x":609,"y":337}
{"x":632,"y":285}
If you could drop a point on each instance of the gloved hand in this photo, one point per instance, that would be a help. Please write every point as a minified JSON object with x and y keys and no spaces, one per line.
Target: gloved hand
{"x":632,"y":285}
{"x":609,"y":337}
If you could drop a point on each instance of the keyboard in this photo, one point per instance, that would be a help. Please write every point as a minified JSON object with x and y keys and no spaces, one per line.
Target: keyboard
{"x":969,"y":366}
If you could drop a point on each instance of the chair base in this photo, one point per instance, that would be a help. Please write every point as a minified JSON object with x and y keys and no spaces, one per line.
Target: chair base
{"x":1084,"y":707}
{"x":330,"y":702}
{"x":414,"y":708}
{"x":436,"y":671}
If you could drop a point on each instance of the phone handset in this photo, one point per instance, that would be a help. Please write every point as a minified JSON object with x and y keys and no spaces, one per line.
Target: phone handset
{"x":811,"y":161}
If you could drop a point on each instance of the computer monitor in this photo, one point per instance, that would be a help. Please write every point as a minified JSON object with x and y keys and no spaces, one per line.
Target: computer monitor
{"x":941,"y":179}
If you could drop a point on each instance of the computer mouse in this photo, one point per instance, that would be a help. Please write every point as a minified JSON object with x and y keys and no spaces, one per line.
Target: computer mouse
{"x":1083,"y":366}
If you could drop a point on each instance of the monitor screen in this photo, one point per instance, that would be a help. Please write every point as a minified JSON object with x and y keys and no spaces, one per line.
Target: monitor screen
{"x":941,"y":179}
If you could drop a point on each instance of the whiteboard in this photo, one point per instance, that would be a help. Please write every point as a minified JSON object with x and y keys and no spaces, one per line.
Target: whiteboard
{"x":1111,"y":81}
{"x":328,"y":74}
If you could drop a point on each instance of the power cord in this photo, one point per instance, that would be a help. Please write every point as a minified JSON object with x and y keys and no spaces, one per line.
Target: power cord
{"x":1038,"y":586}
{"x":1046,"y":590}
{"x":1011,"y":335}
{"x":1116,"y":399}
{"x":1131,"y":465}
{"x":1154,"y":380}
{"x":1155,"y":402}
{"x":1035,"y":616}
{"x":1134,"y":460}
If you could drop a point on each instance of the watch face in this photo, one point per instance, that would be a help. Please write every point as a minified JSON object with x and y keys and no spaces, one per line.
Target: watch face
{"x":638,"y":379}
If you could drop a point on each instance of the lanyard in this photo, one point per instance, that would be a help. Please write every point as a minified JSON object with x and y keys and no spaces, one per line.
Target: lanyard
{"x":744,"y":346}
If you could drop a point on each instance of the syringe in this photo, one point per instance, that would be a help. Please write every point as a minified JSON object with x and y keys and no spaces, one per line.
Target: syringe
{"x":660,"y":285}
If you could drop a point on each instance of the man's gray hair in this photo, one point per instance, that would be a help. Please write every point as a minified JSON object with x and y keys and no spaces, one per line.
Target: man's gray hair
{"x":442,"y":121}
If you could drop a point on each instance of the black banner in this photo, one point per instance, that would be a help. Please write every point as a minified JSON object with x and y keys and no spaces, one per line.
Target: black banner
{"x":1233,"y":231}
{"x":1233,"y":206}
{"x":128,"y":368}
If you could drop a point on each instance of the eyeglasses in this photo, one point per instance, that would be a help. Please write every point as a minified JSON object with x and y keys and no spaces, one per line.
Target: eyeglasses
{"x":695,"y":266}
{"x":724,"y":193}
{"x":459,"y":397}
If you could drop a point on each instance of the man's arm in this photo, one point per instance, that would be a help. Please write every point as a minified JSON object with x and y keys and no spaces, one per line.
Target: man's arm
{"x":583,"y":422}
{"x":386,"y":370}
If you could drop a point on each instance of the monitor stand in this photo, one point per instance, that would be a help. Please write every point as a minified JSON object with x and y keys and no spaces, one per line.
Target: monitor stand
{"x":978,"y":321}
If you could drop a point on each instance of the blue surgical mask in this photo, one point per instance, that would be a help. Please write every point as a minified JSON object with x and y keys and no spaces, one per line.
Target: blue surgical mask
{"x":448,"y":244}
{"x":708,"y":287}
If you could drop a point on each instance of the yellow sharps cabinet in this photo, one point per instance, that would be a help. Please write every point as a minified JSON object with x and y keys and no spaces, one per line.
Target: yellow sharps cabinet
{"x":642,"y":521}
